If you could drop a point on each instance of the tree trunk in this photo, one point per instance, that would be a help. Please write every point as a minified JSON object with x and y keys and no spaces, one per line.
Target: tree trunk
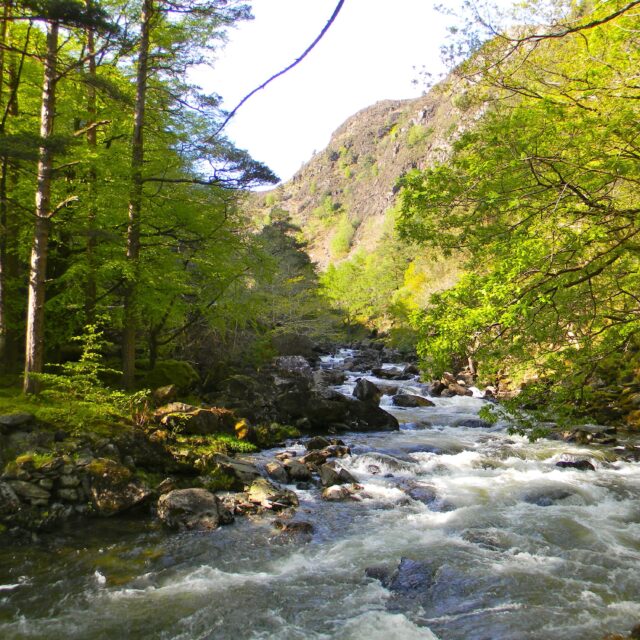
{"x":135,"y":203}
{"x":92,"y":142}
{"x":34,"y":349}
{"x":4,"y":235}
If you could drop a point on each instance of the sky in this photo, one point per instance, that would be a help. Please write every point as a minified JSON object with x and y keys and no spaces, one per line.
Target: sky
{"x":368,"y":54}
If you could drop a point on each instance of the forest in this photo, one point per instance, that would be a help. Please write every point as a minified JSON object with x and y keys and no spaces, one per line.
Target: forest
{"x":396,"y":396}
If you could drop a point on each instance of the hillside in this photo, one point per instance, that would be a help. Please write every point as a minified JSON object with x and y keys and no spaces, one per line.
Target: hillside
{"x":340,"y":197}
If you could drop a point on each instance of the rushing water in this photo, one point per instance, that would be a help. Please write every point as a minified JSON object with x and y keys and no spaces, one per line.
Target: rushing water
{"x":513,"y":546}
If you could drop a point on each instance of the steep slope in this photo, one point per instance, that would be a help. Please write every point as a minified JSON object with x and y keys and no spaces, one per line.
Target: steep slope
{"x":340,"y":197}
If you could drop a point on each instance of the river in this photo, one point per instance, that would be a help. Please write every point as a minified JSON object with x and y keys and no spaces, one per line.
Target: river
{"x":497,"y":543}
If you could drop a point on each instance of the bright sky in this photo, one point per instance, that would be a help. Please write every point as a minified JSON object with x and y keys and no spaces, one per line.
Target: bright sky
{"x":367,"y":55}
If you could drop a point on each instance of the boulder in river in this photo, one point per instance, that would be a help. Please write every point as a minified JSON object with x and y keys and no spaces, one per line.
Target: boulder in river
{"x":192,"y":509}
{"x":112,"y":489}
{"x":277,"y":471}
{"x":390,"y":373}
{"x":267,"y":495}
{"x":332,"y":475}
{"x":408,"y":400}
{"x":336,"y":493}
{"x":296,"y":470}
{"x":546,"y":497}
{"x":581,"y":465}
{"x":366,"y":391}
{"x":317,"y":442}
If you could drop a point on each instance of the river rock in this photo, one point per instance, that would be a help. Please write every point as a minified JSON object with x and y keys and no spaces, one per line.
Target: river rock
{"x":472,"y":423}
{"x":330,"y":475}
{"x":411,"y":401}
{"x":191,"y":509}
{"x":420,"y":493}
{"x":366,"y":391}
{"x":336,"y":493}
{"x":244,"y":472}
{"x":276,"y":471}
{"x":411,"y":578}
{"x":317,"y":442}
{"x":316,"y":458}
{"x":581,"y":465}
{"x":546,"y":497}
{"x":390,"y":374}
{"x":296,"y":470}
{"x":372,"y":418}
{"x":112,"y":489}
{"x":296,"y":527}
{"x":267,"y":495}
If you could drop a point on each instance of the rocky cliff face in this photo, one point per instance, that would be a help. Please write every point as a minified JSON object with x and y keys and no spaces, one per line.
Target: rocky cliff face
{"x":341,"y":197}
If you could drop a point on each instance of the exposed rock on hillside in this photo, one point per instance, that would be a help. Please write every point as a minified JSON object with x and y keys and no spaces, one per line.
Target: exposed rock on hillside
{"x":341,"y":195}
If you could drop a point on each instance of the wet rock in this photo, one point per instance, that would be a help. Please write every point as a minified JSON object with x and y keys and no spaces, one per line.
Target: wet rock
{"x":458,"y":389}
{"x":472,"y":423}
{"x":336,"y":493}
{"x":412,"y":370}
{"x":317,"y":442}
{"x":391,"y":463}
{"x":420,"y":493}
{"x":296,"y":470}
{"x":112,"y":489}
{"x":581,"y":465}
{"x":330,"y":475}
{"x":244,"y":472}
{"x":69,"y":495}
{"x":546,"y":497}
{"x":390,"y":374}
{"x":277,"y":472}
{"x":267,"y":495}
{"x":294,"y":526}
{"x":372,"y":418}
{"x":436,"y":388}
{"x":9,"y":501}
{"x":191,"y":509}
{"x":411,"y":581}
{"x":411,"y":401}
{"x":366,"y":391}
{"x":383,"y":574}
{"x":285,"y":455}
{"x":316,"y":458}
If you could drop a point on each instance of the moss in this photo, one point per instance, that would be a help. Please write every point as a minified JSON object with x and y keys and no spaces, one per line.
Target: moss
{"x":177,"y":372}
{"x":216,"y":443}
{"x":270,"y":435}
{"x":218,"y":480}
{"x":34,"y":460}
{"x":100,"y":467}
{"x":75,"y":416}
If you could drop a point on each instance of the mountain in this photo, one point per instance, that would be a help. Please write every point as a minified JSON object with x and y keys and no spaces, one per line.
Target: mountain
{"x":340,"y":198}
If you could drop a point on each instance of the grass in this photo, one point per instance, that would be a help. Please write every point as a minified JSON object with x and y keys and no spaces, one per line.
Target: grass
{"x":74,"y":416}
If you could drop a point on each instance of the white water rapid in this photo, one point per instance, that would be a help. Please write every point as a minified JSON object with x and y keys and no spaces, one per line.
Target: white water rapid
{"x":493,"y":540}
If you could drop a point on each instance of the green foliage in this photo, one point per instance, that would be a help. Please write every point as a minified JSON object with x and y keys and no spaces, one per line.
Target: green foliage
{"x":176,"y":372}
{"x":416,"y":136}
{"x":541,"y":200}
{"x":342,"y":237}
{"x":82,"y":381}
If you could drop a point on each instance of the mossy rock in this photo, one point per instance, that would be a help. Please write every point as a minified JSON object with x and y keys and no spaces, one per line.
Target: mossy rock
{"x":172,"y":372}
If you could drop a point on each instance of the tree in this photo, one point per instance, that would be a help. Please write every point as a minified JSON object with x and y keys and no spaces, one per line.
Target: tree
{"x":542,"y":198}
